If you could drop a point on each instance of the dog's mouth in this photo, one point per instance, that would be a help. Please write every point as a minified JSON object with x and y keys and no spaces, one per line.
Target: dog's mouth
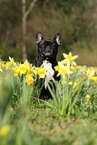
{"x":48,"y":54}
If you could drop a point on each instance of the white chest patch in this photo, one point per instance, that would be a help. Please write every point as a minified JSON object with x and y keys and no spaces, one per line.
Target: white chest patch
{"x":49,"y":70}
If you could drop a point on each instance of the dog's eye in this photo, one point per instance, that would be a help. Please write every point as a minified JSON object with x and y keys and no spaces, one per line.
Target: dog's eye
{"x":42,"y":45}
{"x":53,"y":44}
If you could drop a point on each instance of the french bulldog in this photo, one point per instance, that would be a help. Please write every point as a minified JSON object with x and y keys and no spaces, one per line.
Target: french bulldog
{"x":47,"y":52}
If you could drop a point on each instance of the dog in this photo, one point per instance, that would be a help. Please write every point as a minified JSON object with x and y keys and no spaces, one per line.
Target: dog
{"x":47,"y":52}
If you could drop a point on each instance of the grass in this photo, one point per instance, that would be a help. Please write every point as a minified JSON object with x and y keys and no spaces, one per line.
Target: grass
{"x":69,"y":118}
{"x":40,"y":126}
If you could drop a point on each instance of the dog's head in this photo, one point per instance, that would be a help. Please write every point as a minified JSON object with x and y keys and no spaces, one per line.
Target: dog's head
{"x":48,"y":48}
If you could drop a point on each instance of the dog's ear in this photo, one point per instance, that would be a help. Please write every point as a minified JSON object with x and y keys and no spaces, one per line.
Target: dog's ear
{"x":58,"y":38}
{"x":39,"y":37}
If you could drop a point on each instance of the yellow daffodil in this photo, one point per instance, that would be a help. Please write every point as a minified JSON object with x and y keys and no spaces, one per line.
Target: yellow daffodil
{"x":69,"y":59}
{"x":4,"y":130}
{"x":8,"y":63}
{"x":26,"y":63}
{"x":1,"y":64}
{"x":41,"y":71}
{"x":25,"y":68}
{"x":94,"y":78}
{"x":57,"y":67}
{"x":88,"y":96}
{"x":0,"y":69}
{"x":29,"y":79}
{"x":73,"y":68}
{"x":30,"y":70}
{"x":16,"y":71}
{"x":75,"y":83}
{"x":63,"y":82}
{"x":62,"y":69}
{"x":12,"y":60}
{"x":90,"y":72}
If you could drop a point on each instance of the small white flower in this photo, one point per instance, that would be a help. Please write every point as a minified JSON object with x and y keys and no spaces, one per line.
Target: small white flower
{"x":49,"y":70}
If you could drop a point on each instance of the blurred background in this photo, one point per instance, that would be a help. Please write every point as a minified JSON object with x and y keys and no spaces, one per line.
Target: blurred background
{"x":76,"y":20}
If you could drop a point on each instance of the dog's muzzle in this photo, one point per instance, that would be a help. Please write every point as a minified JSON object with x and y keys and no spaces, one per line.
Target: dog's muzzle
{"x":48,"y":51}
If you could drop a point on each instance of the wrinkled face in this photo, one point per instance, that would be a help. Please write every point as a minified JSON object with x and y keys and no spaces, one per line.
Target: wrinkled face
{"x":48,"y":48}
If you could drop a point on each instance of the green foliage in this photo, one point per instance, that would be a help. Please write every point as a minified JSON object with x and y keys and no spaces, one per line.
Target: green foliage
{"x":7,"y":50}
{"x":55,"y":121}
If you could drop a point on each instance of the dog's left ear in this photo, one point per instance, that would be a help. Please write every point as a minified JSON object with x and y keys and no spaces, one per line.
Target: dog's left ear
{"x":58,"y":38}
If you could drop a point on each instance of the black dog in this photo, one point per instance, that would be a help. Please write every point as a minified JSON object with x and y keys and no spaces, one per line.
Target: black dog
{"x":47,"y":52}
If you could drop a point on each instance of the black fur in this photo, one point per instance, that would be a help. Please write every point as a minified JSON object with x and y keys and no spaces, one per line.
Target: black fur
{"x":47,"y":50}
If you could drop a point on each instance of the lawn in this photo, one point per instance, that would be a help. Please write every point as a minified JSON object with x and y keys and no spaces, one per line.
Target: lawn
{"x":70,"y":117}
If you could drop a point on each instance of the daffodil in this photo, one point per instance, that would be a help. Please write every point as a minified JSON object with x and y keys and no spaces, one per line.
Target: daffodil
{"x":10,"y":63}
{"x":62,"y":69}
{"x":73,"y":68}
{"x":29,"y":79}
{"x":74,"y":84}
{"x":4,"y":130}
{"x":41,"y":71}
{"x":16,"y":71}
{"x":88,"y":96}
{"x":94,"y":78}
{"x":63,"y":82}
{"x":12,"y":60}
{"x":90,"y":72}
{"x":25,"y":67}
{"x":30,"y":70}
{"x":0,"y":69}
{"x":69,"y":59}
{"x":1,"y":64}
{"x":26,"y":63}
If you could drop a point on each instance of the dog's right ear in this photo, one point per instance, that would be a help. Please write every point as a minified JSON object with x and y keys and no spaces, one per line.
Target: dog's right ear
{"x":39,"y":37}
{"x":58,"y":38}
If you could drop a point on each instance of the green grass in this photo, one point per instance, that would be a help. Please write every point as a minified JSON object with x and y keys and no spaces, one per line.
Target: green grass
{"x":41,"y":127}
{"x":62,"y":120}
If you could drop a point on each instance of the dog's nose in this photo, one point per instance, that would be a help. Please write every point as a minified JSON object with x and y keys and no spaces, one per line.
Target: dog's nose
{"x":48,"y":51}
{"x":48,"y":48}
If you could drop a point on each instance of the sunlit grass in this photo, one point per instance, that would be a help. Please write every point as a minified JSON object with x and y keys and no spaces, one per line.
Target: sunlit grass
{"x":24,"y":118}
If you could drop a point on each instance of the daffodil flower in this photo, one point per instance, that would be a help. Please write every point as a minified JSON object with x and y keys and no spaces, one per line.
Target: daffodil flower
{"x":88,"y":96}
{"x":69,"y":59}
{"x":0,"y":69}
{"x":16,"y":71}
{"x":94,"y":78}
{"x":90,"y":72}
{"x":41,"y":71}
{"x":62,"y":69}
{"x":4,"y":130}
{"x":29,"y":79}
